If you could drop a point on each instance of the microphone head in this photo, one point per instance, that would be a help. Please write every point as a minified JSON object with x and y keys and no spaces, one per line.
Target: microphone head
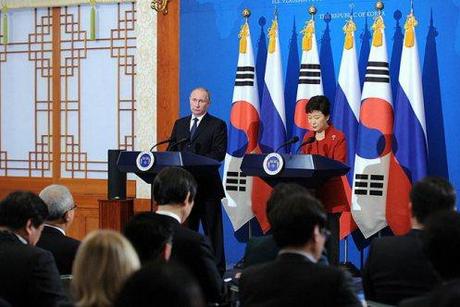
{"x":295,"y":139}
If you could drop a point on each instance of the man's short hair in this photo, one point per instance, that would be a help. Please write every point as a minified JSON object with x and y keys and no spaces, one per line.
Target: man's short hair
{"x":442,"y":243}
{"x":162,"y":285}
{"x":172,"y":185}
{"x":149,"y":232}
{"x":58,"y":199}
{"x":208,"y":93}
{"x":18,"y":207}
{"x":430,"y":195}
{"x":319,"y":103}
{"x":280,"y":191}
{"x":294,"y":219}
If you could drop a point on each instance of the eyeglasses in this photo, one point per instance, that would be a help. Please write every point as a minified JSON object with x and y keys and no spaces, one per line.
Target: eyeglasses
{"x":326,"y":233}
{"x":73,"y":207}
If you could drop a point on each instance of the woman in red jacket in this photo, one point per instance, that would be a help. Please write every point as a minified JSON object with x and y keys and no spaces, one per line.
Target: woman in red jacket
{"x":325,"y":140}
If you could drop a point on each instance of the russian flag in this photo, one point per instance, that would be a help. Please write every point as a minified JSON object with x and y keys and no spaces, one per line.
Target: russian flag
{"x":374,"y":142}
{"x":310,"y":81}
{"x":273,"y":118}
{"x":410,"y":139}
{"x":346,"y":114}
{"x":243,"y":134}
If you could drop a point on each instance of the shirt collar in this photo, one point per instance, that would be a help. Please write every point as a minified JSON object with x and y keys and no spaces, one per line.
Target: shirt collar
{"x":21,"y":238}
{"x":55,"y":227}
{"x":199,"y":117}
{"x":298,"y":252}
{"x":170,"y":214}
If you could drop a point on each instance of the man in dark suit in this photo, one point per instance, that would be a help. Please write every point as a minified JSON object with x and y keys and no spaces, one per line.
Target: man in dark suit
{"x":294,"y":278}
{"x":61,"y":207}
{"x":28,"y":274}
{"x":396,"y":267}
{"x":205,"y":135}
{"x":442,"y":245}
{"x":264,"y":249}
{"x":174,"y":190}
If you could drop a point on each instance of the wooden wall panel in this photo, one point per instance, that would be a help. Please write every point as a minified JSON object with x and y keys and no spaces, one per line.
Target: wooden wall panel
{"x":87,"y":192}
{"x":168,"y":70}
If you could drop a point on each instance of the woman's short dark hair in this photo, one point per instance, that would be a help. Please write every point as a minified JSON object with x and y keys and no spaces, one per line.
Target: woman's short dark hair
{"x":318,"y":103}
{"x":172,"y":185}
{"x":18,"y":207}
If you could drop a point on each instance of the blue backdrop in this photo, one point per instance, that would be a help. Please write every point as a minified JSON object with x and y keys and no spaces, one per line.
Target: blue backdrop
{"x":209,"y":53}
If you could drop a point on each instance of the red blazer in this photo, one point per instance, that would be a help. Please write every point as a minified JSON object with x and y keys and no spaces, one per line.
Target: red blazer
{"x":334,"y":146}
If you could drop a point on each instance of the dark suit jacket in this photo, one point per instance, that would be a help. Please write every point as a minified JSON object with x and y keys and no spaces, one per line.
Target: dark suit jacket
{"x":209,"y":140}
{"x":293,"y":280}
{"x":28,"y":274}
{"x":446,"y":295}
{"x":397,"y":268}
{"x":193,"y":251}
{"x":62,"y":247}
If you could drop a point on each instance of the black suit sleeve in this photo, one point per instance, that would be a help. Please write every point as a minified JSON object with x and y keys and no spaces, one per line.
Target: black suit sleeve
{"x":210,"y":277}
{"x":219,"y":142}
{"x":345,"y":294}
{"x":368,"y":286}
{"x":173,"y":137}
{"x":45,"y":282}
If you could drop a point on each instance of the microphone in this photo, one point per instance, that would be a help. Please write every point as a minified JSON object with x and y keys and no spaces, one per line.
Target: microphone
{"x":292,"y":140}
{"x":160,"y":143}
{"x":307,"y":141}
{"x":181,"y":141}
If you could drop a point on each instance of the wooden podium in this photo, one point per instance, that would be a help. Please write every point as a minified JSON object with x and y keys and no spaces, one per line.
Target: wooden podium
{"x":114,"y":214}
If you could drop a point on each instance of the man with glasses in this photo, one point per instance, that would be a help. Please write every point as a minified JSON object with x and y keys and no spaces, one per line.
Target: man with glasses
{"x":294,"y":278}
{"x":61,"y":207}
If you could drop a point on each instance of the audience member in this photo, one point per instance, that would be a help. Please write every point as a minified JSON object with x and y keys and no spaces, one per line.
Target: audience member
{"x":396,"y":267}
{"x":442,"y":246}
{"x":28,"y":274}
{"x":151,"y":236}
{"x":294,"y":278}
{"x":61,"y":208}
{"x":161,"y":285}
{"x":174,"y":190}
{"x":264,"y":249}
{"x":104,"y":261}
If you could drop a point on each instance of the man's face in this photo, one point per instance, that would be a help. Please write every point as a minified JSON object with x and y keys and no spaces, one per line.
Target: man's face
{"x":199,"y":102}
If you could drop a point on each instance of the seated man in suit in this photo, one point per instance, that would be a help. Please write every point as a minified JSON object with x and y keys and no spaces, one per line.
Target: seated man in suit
{"x":61,"y":208}
{"x":151,"y":236}
{"x":28,"y":274}
{"x":174,"y":190}
{"x":294,"y":278}
{"x":161,"y":285}
{"x":442,"y":246}
{"x":396,"y":267}
{"x":263,"y":249}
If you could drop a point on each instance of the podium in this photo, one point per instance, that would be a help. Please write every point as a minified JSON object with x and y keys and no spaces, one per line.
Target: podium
{"x":310,"y":171}
{"x":115,"y":212}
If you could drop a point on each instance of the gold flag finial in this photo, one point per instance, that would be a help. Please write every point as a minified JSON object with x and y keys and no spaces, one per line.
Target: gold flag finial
{"x":309,"y":30}
{"x":409,"y":27}
{"x":272,"y":36}
{"x":378,"y":26}
{"x":349,"y":29}
{"x":244,"y":32}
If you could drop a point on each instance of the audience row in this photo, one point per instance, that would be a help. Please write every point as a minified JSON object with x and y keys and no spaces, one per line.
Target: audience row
{"x":157,"y":261}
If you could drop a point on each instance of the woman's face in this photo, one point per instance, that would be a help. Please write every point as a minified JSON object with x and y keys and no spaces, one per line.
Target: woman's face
{"x":318,"y":121}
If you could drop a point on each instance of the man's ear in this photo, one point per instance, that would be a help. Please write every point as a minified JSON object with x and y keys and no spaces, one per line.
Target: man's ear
{"x":188,"y":199}
{"x":316,"y":234}
{"x":28,"y":228}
